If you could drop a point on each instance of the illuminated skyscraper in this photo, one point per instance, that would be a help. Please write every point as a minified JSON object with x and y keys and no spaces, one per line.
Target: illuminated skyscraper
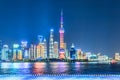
{"x":41,"y":47}
{"x":56,"y":50}
{"x":79,"y":54}
{"x":72,"y":52}
{"x":66,"y":51}
{"x":15,"y":51}
{"x":117,"y":56}
{"x":24,"y":49}
{"x":40,"y":51}
{"x":10,"y":55}
{"x":62,"y":47}
{"x":19,"y":55}
{"x":32,"y":52}
{"x":1,"y":49}
{"x":45,"y":48}
{"x":51,"y":44}
{"x":5,"y":52}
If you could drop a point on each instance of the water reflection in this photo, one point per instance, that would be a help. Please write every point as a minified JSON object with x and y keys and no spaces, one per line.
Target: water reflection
{"x":39,"y":68}
{"x":61,"y":67}
{"x":15,"y":65}
{"x":77,"y":66}
{"x":58,"y":68}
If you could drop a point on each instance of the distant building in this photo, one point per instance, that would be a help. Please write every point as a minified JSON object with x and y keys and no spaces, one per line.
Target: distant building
{"x":1,"y":46}
{"x":93,"y":57}
{"x":102,"y":58}
{"x":117,"y":56}
{"x":24,"y":49}
{"x":40,"y":51}
{"x":41,"y":48}
{"x":88,"y":54}
{"x":67,"y":54}
{"x":51,"y":45}
{"x":16,"y":48}
{"x":56,"y":51}
{"x":32,"y":52}
{"x":45,"y":49}
{"x":5,"y":52}
{"x":10,"y":55}
{"x":79,"y":54}
{"x":66,"y":51}
{"x":19,"y":57}
{"x":72,"y":52}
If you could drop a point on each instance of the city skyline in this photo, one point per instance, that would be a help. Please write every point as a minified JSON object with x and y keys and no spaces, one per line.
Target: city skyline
{"x":91,"y":25}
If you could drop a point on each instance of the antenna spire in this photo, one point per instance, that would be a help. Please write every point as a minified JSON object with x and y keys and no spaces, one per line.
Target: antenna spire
{"x":61,"y":19}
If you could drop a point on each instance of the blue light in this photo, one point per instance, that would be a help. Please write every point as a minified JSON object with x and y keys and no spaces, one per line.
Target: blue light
{"x":51,"y":30}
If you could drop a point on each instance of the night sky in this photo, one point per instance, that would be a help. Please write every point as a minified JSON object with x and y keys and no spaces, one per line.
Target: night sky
{"x":92,"y":25}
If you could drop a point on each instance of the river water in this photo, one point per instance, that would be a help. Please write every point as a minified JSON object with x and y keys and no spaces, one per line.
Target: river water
{"x":72,"y":70}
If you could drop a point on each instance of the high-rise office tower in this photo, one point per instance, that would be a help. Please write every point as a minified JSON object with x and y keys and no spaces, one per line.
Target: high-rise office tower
{"x":117,"y":56}
{"x":79,"y":54}
{"x":66,"y":51}
{"x":15,"y":51}
{"x":32,"y":52}
{"x":40,"y":47}
{"x":62,"y":47}
{"x":10,"y":55}
{"x":24,"y":49}
{"x":19,"y":55}
{"x":72,"y":52}
{"x":5,"y":52}
{"x":45,"y":48}
{"x":1,"y":49}
{"x":40,"y":51}
{"x":56,"y":50}
{"x":51,"y":44}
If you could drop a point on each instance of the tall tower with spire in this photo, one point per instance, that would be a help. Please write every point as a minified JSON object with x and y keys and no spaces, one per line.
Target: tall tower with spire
{"x":51,"y":44}
{"x":61,"y":31}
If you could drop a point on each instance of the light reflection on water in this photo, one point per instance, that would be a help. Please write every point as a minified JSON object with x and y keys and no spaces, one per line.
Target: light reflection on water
{"x":38,"y":68}
{"x":61,"y":67}
{"x":58,"y":68}
{"x":14,"y":65}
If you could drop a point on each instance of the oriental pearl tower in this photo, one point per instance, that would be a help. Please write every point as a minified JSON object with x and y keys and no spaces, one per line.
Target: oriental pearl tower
{"x":61,"y":31}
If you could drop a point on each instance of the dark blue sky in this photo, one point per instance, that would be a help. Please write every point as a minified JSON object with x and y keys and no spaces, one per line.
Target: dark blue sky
{"x":93,"y":25}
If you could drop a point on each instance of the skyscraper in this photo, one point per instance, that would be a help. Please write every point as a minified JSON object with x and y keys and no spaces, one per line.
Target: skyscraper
{"x":40,"y":51}
{"x":32,"y":52}
{"x":5,"y":52}
{"x":51,"y":44}
{"x":1,"y":49}
{"x":61,"y":31}
{"x":24,"y":49}
{"x":45,"y":48}
{"x":72,"y":52}
{"x":41,"y":47}
{"x":79,"y":54}
{"x":56,"y":49}
{"x":19,"y":55}
{"x":15,"y":51}
{"x":117,"y":56}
